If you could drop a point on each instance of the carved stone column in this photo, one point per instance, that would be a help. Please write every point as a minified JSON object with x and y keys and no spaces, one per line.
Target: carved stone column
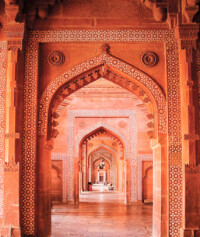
{"x":14,"y":35}
{"x":14,"y":88}
{"x":190,"y":125}
{"x":189,"y":97}
{"x":76,"y":180}
{"x":43,"y":186}
{"x":84,"y":167}
{"x":128,"y":179}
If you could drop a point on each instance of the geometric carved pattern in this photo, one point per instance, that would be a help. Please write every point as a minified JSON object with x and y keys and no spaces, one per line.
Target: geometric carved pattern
{"x":29,"y":140}
{"x":174,"y":139}
{"x":175,"y":203}
{"x":173,"y":97}
{"x":198,"y":75}
{"x":3,"y":58}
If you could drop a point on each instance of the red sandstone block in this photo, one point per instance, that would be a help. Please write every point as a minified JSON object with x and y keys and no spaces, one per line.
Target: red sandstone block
{"x":53,"y":23}
{"x":115,"y":22}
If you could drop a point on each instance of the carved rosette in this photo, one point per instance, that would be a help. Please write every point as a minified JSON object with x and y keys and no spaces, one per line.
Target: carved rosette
{"x":56,"y":58}
{"x":149,"y":59}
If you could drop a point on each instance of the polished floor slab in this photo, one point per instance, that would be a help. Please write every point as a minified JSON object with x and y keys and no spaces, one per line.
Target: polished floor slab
{"x":102,"y":215}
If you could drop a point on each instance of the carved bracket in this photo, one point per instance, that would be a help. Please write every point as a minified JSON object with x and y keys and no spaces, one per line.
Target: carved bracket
{"x":192,"y":169}
{"x":191,"y":10}
{"x":11,"y":166}
{"x":188,"y":35}
{"x":158,"y":8}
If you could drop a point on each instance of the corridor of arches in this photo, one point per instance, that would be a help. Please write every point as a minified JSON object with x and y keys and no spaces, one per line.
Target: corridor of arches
{"x":111,"y":146}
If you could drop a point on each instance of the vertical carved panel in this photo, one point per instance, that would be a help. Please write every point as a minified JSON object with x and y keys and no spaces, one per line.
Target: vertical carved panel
{"x":174,"y":138}
{"x":29,"y":139}
{"x":198,"y":78}
{"x":3,"y":57}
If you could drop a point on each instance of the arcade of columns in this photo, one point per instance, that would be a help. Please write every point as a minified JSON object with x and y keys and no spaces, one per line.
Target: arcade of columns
{"x":51,"y":49}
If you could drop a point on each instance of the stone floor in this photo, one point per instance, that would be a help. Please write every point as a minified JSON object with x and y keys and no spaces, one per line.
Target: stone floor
{"x":103,"y":215}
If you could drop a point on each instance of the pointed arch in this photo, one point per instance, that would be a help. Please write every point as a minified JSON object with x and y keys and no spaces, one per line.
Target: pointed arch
{"x":118,"y":134}
{"x":103,"y":146}
{"x":129,"y":77}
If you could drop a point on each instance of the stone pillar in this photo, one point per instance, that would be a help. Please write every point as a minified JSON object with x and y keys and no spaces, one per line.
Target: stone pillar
{"x":80,"y":177}
{"x":128,"y":180}
{"x":190,"y":74}
{"x":160,"y":186}
{"x":43,"y":186}
{"x":192,"y":204}
{"x":84,"y":165}
{"x":113,"y":180}
{"x":117,"y":174}
{"x":90,"y":169}
{"x":189,"y":89}
{"x":13,"y":128}
{"x":121,"y":164}
{"x":76,"y":180}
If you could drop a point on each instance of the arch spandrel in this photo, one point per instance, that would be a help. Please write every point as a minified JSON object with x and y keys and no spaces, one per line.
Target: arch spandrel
{"x":103,"y":60}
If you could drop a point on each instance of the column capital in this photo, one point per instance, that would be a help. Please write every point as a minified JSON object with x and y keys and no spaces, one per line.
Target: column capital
{"x":14,"y":34}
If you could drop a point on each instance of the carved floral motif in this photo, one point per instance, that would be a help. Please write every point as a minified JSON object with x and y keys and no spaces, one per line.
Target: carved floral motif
{"x":56,"y":58}
{"x":150,"y":59}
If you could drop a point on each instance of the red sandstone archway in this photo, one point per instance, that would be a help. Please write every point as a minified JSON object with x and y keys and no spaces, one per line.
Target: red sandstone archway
{"x":112,"y":161}
{"x":130,"y":78}
{"x":109,"y":150}
{"x":121,"y":155}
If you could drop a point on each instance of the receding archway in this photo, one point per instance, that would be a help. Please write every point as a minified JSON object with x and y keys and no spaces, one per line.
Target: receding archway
{"x":116,"y":160}
{"x":113,"y":156}
{"x":131,"y":79}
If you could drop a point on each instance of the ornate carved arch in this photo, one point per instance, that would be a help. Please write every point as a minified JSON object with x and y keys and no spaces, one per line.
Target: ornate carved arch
{"x":113,"y":69}
{"x":118,"y":134}
{"x":103,"y":147}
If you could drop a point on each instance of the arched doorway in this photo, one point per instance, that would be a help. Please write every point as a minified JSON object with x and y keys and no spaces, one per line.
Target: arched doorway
{"x":136,"y":82}
{"x":96,"y":155}
{"x":102,"y":166}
